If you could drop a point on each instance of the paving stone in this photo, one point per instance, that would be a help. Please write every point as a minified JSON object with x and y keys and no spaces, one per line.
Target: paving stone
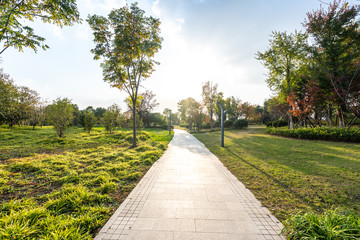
{"x":189,"y":194}
{"x":196,"y":236}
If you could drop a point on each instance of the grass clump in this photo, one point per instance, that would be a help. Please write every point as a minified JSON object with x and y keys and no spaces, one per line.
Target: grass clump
{"x":67,"y":189}
{"x":332,"y":224}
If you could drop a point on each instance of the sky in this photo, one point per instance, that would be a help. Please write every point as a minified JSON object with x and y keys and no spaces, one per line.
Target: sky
{"x":204,"y":40}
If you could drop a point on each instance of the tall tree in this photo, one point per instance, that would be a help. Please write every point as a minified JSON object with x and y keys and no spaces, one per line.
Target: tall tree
{"x":127,"y":41}
{"x":12,"y":13}
{"x":209,"y":93}
{"x":337,"y":49}
{"x":284,"y":60}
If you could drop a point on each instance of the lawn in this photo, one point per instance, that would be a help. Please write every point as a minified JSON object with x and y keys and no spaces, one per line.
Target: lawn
{"x":291,"y":175}
{"x":52,"y":188}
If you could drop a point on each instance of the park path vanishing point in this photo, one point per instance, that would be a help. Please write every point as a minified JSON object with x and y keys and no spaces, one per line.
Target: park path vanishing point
{"x":189,"y":194}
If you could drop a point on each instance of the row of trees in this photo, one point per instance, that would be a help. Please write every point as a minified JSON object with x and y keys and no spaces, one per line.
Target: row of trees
{"x":315,"y":73}
{"x":20,"y":105}
{"x":207,"y":113}
{"x":126,"y":40}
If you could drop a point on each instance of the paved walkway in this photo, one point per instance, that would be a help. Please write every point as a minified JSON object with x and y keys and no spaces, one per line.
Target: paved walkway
{"x":189,"y":194}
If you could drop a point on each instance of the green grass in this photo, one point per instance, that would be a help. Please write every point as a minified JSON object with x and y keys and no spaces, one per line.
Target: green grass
{"x":291,"y":175}
{"x":332,"y":224}
{"x":67,"y":188}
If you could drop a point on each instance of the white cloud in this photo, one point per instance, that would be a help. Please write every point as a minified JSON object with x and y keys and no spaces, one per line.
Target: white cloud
{"x":155,"y":8}
{"x":107,"y":5}
{"x":180,"y":20}
{"x":57,"y":32}
{"x":83,"y":31}
{"x":23,"y":81}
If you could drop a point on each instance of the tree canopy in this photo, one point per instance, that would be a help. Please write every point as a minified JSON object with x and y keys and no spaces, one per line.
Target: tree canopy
{"x":126,"y":41}
{"x":13,"y":33}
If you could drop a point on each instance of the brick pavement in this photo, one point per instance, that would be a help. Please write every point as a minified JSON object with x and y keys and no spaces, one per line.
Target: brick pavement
{"x":188,"y":194}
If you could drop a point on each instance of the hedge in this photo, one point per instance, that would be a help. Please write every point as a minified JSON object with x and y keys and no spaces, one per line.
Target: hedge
{"x":278,"y":123}
{"x":240,"y":123}
{"x":329,"y":134}
{"x":228,"y":123}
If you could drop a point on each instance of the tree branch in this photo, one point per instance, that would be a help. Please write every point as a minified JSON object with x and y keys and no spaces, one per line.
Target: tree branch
{"x":8,"y":19}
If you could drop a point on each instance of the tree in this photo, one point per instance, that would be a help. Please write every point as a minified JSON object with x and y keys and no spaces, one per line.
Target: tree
{"x":127,"y":41}
{"x":37,"y":114}
{"x":232,"y":105}
{"x":209,"y":94}
{"x":60,"y":114}
{"x":16,"y":103}
{"x":336,"y":49}
{"x":258,"y":113}
{"x":90,"y":120}
{"x":284,"y":60}
{"x":111,"y":117}
{"x":219,"y":98}
{"x":99,"y":113}
{"x":78,"y":116}
{"x":191,"y":112}
{"x":8,"y":93}
{"x":247,"y":110}
{"x":277,"y":109}
{"x":156,"y":119}
{"x":145,"y":104}
{"x":12,"y":13}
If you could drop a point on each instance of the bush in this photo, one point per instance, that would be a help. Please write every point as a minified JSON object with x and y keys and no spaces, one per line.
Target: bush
{"x":333,"y":224}
{"x":60,"y":114}
{"x":329,"y":134}
{"x":228,"y":123}
{"x":278,"y":123}
{"x":89,"y":121}
{"x":240,"y":123}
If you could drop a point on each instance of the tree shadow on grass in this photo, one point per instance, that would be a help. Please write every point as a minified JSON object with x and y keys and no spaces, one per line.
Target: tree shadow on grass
{"x":284,"y":186}
{"x":323,"y":162}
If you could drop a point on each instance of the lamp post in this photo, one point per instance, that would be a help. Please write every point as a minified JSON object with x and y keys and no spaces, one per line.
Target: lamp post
{"x":170,"y":122}
{"x":222,"y":122}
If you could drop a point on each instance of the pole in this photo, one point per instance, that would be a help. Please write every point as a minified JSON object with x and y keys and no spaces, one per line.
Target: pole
{"x":170,"y":123}
{"x":222,"y":122}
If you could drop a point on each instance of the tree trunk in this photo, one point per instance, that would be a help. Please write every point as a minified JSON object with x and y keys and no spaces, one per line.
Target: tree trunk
{"x":341,"y":118}
{"x":134,"y":124}
{"x":329,"y":116}
{"x":291,"y":125}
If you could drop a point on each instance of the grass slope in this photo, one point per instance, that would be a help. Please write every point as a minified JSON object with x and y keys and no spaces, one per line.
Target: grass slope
{"x":55,"y":188}
{"x":290,"y":175}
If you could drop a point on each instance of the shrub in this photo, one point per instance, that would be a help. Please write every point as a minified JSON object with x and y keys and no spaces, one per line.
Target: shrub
{"x":330,"y":134}
{"x":240,"y":123}
{"x":60,"y":114}
{"x":228,"y":123}
{"x":89,"y":121}
{"x":278,"y":123}
{"x":111,"y":117}
{"x":333,"y":224}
